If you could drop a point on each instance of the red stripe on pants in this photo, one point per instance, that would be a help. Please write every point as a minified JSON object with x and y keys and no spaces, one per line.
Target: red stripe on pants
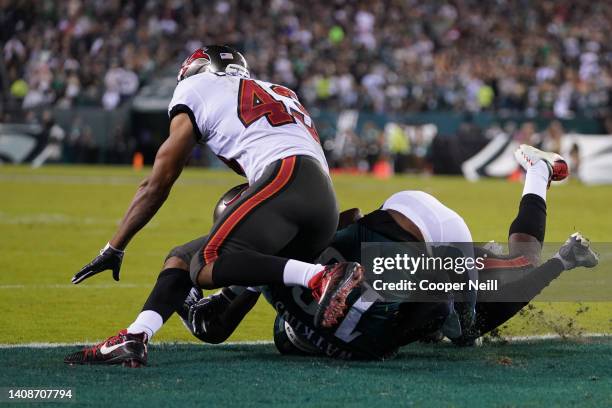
{"x":211,"y":249}
{"x":500,"y":263}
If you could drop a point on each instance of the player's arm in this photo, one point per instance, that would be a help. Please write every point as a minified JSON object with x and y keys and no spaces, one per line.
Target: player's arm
{"x":151,"y":194}
{"x":153,"y":191}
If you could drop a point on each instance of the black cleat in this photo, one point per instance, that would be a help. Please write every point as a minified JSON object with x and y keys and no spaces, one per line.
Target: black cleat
{"x":127,"y":349}
{"x":330,"y":288}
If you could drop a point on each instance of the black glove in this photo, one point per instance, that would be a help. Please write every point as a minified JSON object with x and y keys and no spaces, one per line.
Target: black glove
{"x":204,"y":315}
{"x":109,"y":258}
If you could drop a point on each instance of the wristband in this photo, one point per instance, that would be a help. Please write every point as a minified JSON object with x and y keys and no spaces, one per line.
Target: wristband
{"x":109,"y":246}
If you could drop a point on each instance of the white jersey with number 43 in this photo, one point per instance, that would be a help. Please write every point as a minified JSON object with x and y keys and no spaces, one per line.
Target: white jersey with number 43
{"x":247,"y":123}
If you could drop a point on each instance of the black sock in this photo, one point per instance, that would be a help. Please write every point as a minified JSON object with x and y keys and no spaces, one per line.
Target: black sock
{"x":248,"y":268}
{"x":531,"y":217}
{"x":169,"y":293}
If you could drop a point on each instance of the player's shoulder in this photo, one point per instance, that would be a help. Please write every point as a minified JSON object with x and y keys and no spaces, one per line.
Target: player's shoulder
{"x":261,"y":81}
{"x":279,"y":89}
{"x":205,"y":82}
{"x":203,"y":89}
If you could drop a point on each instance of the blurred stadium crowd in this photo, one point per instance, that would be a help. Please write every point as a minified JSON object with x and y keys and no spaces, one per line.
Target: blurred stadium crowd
{"x":384,"y":55}
{"x":533,"y":58}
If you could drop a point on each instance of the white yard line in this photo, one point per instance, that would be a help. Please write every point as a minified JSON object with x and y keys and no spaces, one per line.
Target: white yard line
{"x":163,"y":343}
{"x":70,"y":285}
{"x":115,"y":180}
{"x":552,"y":336}
{"x":267,"y":342}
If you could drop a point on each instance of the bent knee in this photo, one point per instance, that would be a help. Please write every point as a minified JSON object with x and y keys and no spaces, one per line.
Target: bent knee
{"x":175,"y":262}
{"x":179,"y":257}
{"x":201,"y":275}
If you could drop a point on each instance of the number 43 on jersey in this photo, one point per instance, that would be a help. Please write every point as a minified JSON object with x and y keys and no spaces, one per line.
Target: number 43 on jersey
{"x":254,"y":102}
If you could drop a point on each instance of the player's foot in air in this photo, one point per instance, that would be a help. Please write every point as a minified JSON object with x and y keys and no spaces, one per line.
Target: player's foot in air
{"x":127,"y":349}
{"x":330,"y":288}
{"x":527,"y":156}
{"x":577,"y":252}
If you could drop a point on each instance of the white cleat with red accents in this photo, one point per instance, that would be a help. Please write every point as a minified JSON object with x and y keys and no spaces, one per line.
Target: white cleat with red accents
{"x":527,"y":156}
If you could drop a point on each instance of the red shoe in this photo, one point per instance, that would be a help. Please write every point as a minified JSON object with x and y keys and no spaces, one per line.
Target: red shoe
{"x":127,"y":349}
{"x":330,"y":288}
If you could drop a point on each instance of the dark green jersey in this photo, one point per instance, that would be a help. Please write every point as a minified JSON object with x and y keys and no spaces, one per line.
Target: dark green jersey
{"x":367,"y":331}
{"x":370,"y":329}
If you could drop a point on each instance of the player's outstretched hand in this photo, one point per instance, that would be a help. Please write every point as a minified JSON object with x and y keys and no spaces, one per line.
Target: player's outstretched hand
{"x":109,"y":258}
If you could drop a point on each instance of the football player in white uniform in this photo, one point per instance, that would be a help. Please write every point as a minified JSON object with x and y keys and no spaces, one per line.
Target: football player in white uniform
{"x":268,"y":235}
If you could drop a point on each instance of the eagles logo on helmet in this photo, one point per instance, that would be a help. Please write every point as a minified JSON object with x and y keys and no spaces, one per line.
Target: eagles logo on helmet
{"x":214,"y":58}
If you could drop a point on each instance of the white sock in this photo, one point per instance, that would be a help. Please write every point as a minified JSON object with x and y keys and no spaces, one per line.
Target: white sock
{"x":536,"y":179}
{"x":300,"y":273}
{"x":148,"y":322}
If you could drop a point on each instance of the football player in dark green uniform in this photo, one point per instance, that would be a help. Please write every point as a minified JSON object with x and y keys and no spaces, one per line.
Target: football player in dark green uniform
{"x":376,"y":329}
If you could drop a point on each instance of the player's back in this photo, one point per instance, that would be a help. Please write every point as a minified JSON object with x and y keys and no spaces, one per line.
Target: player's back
{"x":246,"y":122}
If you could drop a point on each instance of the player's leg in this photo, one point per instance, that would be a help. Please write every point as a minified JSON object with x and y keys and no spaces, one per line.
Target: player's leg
{"x":293,"y":195}
{"x":518,"y":276}
{"x":526,"y":233}
{"x":291,"y":211}
{"x":525,"y":238}
{"x":575,"y":252}
{"x":173,"y":286}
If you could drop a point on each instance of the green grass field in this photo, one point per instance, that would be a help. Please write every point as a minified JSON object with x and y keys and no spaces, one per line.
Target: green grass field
{"x":55,"y":219}
{"x":546,"y":374}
